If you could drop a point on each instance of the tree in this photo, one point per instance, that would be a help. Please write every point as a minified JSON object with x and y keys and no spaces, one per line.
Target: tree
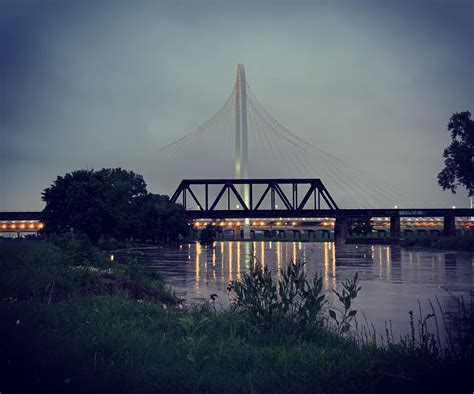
{"x":360,"y":226}
{"x":459,"y":155}
{"x":207,"y":235}
{"x":110,"y":203}
{"x":162,"y":221}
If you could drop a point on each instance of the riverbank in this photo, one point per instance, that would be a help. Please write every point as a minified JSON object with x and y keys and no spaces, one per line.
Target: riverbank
{"x":74,"y":321}
{"x":459,"y":244}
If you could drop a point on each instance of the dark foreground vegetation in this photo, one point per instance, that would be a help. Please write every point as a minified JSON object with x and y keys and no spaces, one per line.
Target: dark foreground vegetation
{"x":74,"y":321}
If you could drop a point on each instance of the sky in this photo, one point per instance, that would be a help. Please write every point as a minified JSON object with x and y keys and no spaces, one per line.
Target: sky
{"x":87,"y":84}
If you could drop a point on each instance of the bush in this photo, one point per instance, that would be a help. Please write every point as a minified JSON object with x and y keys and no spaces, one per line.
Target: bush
{"x":207,"y":235}
{"x":294,"y":301}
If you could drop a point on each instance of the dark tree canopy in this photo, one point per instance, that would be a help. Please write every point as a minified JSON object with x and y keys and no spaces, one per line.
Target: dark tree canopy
{"x":110,"y":203}
{"x":459,"y":155}
{"x":207,"y":235}
{"x":360,"y":226}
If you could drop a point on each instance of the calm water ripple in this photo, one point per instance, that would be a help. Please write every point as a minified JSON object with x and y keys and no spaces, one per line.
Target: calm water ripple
{"x":393,"y":279}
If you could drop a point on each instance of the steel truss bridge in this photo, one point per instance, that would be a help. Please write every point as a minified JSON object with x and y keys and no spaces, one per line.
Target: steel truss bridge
{"x":315,"y":195}
{"x":314,"y":201}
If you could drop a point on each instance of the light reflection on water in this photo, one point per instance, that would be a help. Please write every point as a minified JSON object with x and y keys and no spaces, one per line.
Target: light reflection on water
{"x":392,"y":279}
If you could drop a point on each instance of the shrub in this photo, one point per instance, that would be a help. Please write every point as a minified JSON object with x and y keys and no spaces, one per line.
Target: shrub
{"x":294,"y":300}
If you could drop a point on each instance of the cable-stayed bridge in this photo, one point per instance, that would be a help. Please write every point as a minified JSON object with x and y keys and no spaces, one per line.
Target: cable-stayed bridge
{"x":242,"y":139}
{"x":245,"y":119}
{"x":258,"y":150}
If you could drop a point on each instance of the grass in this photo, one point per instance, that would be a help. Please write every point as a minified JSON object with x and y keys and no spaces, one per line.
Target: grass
{"x":83,"y":335}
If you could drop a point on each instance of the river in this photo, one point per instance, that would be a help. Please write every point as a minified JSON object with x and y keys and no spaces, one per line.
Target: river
{"x":393,"y":279}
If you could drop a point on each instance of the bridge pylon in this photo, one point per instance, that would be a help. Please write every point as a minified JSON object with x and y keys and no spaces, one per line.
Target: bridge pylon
{"x":241,"y":138}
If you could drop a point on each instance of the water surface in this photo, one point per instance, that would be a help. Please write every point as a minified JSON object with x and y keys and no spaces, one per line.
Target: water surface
{"x":393,"y":279}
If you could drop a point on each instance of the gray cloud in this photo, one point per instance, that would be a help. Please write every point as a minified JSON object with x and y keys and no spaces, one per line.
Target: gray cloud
{"x":94,"y":85}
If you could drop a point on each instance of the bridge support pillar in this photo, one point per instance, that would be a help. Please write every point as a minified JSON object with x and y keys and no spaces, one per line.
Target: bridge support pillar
{"x":340,"y":230}
{"x":237,"y":233}
{"x":395,"y":228}
{"x":449,"y":228}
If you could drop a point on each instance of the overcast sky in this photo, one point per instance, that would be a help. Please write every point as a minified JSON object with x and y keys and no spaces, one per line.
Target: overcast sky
{"x":102,"y":84}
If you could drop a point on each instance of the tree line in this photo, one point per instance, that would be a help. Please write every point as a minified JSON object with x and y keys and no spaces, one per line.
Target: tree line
{"x":111,"y":203}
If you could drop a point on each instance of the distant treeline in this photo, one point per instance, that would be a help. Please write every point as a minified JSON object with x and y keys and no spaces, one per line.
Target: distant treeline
{"x":111,"y":204}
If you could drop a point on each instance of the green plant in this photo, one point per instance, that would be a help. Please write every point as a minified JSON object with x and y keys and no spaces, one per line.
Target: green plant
{"x":294,"y":299}
{"x":347,"y":314}
{"x":193,"y":338}
{"x":112,"y":342}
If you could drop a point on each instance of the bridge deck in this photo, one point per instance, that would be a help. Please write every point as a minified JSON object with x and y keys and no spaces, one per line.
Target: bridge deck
{"x":275,"y":214}
{"x":328,"y":213}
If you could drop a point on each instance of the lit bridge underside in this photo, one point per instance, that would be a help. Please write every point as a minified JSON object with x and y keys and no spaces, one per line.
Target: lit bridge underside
{"x":20,"y":222}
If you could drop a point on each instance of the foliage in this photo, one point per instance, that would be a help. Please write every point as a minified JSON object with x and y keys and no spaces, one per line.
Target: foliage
{"x":38,"y":271}
{"x":160,"y":220}
{"x":293,"y":299}
{"x":459,"y":155}
{"x":114,"y":343}
{"x":360,"y":226}
{"x":110,"y":203}
{"x":207,"y":235}
{"x":347,"y":314}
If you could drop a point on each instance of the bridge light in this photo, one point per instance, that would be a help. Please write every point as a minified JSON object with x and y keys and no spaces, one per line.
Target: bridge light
{"x":454,"y":207}
{"x":294,"y":223}
{"x":262,"y":223}
{"x":41,"y":225}
{"x":237,"y":224}
{"x":237,"y":206}
{"x":396,"y":206}
{"x":13,"y":226}
{"x":32,"y":225}
{"x":276,"y":205}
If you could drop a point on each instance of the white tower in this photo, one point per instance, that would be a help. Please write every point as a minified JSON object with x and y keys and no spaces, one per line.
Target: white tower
{"x":241,"y":137}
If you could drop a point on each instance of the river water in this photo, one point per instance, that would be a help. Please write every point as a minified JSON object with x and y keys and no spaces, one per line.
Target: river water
{"x":394,"y":280}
